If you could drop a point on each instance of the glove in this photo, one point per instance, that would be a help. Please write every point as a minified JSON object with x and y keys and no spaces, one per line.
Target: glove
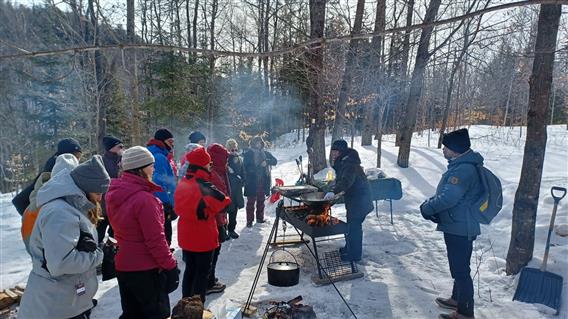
{"x":171,"y":278}
{"x":169,"y":212}
{"x":86,"y":242}
{"x":329,"y":196}
{"x":434,"y":218}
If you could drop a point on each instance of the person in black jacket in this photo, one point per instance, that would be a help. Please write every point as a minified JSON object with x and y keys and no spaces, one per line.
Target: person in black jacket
{"x":64,"y":146}
{"x":111,"y":159}
{"x":351,"y":180}
{"x":257,"y":164}
{"x":236,"y":180}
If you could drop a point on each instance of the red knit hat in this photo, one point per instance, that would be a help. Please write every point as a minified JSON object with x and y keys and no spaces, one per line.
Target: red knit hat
{"x":199,"y":157}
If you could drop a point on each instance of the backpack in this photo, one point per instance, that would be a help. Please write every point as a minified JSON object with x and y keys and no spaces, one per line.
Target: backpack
{"x":490,"y":201}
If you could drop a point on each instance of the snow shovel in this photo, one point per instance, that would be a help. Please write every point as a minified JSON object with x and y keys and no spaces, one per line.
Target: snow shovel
{"x":538,"y":285}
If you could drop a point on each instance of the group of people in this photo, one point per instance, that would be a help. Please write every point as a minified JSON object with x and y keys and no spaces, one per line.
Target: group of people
{"x":134,"y":195}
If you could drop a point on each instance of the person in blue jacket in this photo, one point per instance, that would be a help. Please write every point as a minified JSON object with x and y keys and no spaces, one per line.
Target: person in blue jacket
{"x":451,"y":208}
{"x":161,"y":146}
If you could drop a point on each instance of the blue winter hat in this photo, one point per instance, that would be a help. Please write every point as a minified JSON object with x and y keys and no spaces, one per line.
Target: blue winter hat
{"x":196,"y":136}
{"x":458,"y":141}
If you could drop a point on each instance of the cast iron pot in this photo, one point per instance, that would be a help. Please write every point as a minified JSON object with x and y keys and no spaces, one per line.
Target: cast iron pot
{"x":283,"y":273}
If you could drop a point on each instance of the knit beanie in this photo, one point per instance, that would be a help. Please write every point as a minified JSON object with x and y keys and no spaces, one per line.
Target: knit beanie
{"x":136,"y":157}
{"x":68,"y":145}
{"x":458,"y":141}
{"x":196,"y":136}
{"x":110,"y":142}
{"x":198,"y":157}
{"x":163,"y":134}
{"x":91,"y":176}
{"x":339,"y":145}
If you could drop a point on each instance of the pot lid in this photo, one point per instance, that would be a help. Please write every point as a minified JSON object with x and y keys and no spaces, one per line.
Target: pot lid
{"x":283,"y":265}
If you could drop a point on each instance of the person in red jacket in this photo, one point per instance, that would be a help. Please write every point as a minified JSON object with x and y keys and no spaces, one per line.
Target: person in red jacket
{"x":198,"y":203}
{"x":220,"y":179}
{"x":145,"y":268}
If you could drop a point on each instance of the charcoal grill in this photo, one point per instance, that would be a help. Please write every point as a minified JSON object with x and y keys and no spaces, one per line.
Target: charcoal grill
{"x":328,"y":262}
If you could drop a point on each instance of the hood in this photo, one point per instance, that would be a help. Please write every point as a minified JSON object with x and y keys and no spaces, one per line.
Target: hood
{"x":467,"y":157}
{"x":121,"y":189}
{"x":157,"y":146}
{"x":350,"y":156}
{"x":219,"y":156}
{"x":64,"y":162}
{"x":62,"y":185}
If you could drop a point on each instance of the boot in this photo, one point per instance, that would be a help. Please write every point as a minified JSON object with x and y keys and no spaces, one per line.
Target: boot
{"x":233,"y":234}
{"x":448,"y":303}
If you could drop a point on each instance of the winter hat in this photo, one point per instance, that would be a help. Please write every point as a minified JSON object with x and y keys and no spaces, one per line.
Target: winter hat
{"x":231,"y":144}
{"x":68,"y":145}
{"x":64,"y":161}
{"x":91,"y":176}
{"x":339,"y":145}
{"x":198,"y":157}
{"x":163,"y":134}
{"x":136,"y":157}
{"x":458,"y":141}
{"x":110,"y":142}
{"x":196,"y":136}
{"x":219,"y":154}
{"x":191,"y":146}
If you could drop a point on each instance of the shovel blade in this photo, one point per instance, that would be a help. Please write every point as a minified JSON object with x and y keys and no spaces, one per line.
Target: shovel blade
{"x":542,"y":287}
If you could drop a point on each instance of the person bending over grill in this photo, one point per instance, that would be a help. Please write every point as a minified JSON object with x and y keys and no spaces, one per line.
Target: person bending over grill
{"x":352,"y":181}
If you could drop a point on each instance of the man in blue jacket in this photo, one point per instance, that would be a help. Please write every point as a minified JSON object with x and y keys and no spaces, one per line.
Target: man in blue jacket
{"x":451,"y":208}
{"x":161,"y":146}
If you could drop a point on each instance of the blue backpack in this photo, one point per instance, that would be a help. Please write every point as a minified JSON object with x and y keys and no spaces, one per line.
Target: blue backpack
{"x":490,"y":201}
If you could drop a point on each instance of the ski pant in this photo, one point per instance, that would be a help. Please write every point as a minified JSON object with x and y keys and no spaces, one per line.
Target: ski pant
{"x":259,"y":200}
{"x":232,"y":218}
{"x":211,"y":281}
{"x":459,"y":249}
{"x":168,"y":230}
{"x":354,"y":237}
{"x":196,"y":274}
{"x":143,"y":294}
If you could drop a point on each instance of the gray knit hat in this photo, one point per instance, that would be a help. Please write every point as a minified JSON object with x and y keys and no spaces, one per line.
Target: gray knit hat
{"x":91,"y":176}
{"x":136,"y":157}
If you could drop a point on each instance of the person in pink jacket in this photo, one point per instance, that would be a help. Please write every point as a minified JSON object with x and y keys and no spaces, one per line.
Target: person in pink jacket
{"x":145,"y":268}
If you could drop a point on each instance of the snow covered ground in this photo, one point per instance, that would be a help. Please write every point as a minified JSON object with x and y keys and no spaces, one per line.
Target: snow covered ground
{"x":404,"y":264}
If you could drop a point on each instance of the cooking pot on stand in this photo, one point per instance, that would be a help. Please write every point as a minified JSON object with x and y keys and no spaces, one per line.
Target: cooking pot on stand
{"x":283,"y":273}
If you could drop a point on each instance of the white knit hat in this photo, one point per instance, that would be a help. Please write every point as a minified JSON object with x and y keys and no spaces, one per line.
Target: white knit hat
{"x":136,"y":157}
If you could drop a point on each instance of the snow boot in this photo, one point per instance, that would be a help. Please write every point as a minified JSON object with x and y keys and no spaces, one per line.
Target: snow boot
{"x":217,"y":288}
{"x":233,"y":234}
{"x":249,"y":224}
{"x":448,"y":303}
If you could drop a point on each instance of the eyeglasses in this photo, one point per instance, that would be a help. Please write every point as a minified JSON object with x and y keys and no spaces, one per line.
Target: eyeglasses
{"x":234,"y":150}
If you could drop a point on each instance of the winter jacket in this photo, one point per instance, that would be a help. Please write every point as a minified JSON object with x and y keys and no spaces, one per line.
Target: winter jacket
{"x":112,"y":166}
{"x":63,"y":280}
{"x":457,"y":190}
{"x":137,"y":220}
{"x":351,"y":179}
{"x":66,"y":161}
{"x":219,"y":177}
{"x":163,"y":171}
{"x":197,"y":204}
{"x":184,"y":164}
{"x":236,"y":174}
{"x":252,"y":172}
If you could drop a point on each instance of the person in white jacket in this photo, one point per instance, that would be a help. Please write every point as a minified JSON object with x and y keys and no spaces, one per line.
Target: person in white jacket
{"x":63,"y":244}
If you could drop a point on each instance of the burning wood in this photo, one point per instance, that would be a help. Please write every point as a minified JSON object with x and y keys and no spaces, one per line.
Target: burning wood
{"x":322,"y":218}
{"x":290,"y":310}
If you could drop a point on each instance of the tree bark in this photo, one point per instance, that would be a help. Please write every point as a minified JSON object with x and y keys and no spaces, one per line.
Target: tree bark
{"x":525,"y":207}
{"x":346,"y":83}
{"x":422,"y":56}
{"x":315,"y":140}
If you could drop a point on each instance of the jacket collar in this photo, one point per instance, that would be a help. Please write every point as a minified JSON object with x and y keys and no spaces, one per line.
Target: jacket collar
{"x":161,"y":145}
{"x":138,"y":181}
{"x":198,"y":173}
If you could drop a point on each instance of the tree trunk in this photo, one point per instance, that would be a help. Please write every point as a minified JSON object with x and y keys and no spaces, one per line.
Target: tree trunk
{"x":195,"y":13}
{"x":316,"y":137}
{"x":526,"y":198}
{"x":376,"y":65}
{"x":422,"y":56}
{"x":346,"y":83}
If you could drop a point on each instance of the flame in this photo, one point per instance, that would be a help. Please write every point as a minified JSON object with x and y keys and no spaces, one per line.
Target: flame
{"x":322,"y":218}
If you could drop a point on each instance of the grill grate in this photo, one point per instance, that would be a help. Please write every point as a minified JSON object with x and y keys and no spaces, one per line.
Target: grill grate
{"x":335,"y":267}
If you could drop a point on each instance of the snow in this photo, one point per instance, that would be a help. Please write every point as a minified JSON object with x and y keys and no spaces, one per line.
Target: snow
{"x":405,"y":264}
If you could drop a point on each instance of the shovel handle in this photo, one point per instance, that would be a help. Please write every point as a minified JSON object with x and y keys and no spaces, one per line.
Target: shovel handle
{"x":557,"y":198}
